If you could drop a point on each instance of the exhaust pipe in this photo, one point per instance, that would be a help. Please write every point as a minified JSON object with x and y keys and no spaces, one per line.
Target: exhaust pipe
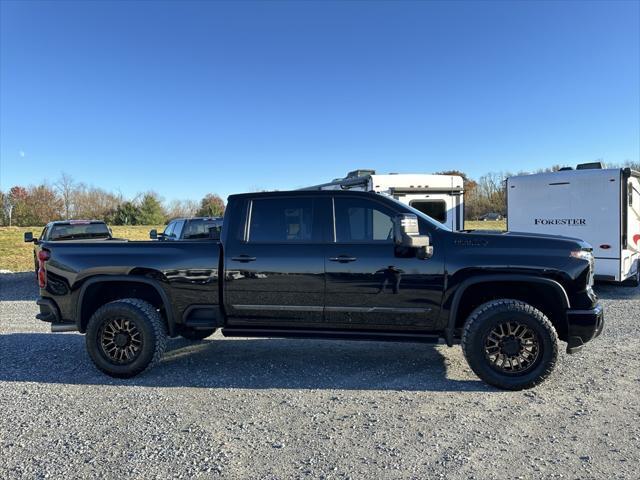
{"x":63,"y":327}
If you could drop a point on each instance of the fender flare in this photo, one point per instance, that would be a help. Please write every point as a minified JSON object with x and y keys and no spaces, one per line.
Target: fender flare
{"x":130,"y":279}
{"x":457,"y":296}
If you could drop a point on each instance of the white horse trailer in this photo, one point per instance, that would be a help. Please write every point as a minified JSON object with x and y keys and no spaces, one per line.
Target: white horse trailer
{"x":601,"y":206}
{"x":439,"y":196}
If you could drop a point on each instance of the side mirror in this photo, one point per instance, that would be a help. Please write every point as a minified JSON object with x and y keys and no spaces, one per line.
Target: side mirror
{"x":406,"y":233}
{"x":28,"y":237}
{"x":153,"y":234}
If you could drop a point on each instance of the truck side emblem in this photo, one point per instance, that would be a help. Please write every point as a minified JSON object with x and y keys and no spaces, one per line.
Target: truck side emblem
{"x":471,"y":243}
{"x":636,"y":239}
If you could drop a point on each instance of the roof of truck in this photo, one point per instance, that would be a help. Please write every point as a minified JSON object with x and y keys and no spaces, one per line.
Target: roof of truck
{"x":75,"y":222}
{"x":303,"y":193}
{"x":195,"y":218}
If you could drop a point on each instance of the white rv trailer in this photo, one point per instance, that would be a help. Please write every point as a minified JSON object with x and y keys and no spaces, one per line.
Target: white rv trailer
{"x":439,"y":196}
{"x":601,"y":206}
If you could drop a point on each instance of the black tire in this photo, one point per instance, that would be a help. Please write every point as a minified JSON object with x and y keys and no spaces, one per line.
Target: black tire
{"x":536,"y":344}
{"x":127,"y":320}
{"x":196,"y":334}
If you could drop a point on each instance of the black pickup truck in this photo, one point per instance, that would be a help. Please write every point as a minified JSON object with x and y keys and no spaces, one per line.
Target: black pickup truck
{"x":329,"y":264}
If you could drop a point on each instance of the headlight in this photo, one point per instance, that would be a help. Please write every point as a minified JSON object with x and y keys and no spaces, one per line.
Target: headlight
{"x":588,"y":256}
{"x":583,"y":254}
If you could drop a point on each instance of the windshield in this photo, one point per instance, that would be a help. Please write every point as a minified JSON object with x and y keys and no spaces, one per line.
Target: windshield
{"x":79,"y":231}
{"x":199,"y":228}
{"x":417,"y":212}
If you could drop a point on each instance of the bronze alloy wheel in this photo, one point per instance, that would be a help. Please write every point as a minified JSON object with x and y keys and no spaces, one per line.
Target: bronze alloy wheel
{"x":512,"y":347}
{"x":120,"y":340}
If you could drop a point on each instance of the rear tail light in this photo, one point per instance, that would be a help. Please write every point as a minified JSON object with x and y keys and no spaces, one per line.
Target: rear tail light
{"x":43,"y":256}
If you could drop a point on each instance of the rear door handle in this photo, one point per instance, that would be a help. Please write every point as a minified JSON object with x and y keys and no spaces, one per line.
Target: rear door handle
{"x":243,"y":258}
{"x":343,"y":259}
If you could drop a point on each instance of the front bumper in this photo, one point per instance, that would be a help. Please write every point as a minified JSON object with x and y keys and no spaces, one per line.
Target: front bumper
{"x":584,"y":325}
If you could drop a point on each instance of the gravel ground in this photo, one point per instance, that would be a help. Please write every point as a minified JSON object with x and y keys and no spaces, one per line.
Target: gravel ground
{"x":243,"y":408}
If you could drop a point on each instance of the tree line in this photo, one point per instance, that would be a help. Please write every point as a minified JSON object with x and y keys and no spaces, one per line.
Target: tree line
{"x":67,"y":199}
{"x":36,"y":205}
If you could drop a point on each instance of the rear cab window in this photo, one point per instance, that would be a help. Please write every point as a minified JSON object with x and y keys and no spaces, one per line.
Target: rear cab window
{"x":79,"y":230}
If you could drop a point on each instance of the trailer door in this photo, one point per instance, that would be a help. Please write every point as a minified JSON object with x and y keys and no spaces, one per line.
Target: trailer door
{"x":631,"y":254}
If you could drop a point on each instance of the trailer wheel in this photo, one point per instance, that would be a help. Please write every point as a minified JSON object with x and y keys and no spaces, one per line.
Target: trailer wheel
{"x":126,"y":337}
{"x":196,"y":334}
{"x":510,"y":344}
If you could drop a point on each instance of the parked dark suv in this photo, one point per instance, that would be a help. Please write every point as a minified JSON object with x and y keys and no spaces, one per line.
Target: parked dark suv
{"x":193,"y":228}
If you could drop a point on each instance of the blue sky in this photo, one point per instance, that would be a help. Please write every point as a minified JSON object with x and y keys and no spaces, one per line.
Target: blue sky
{"x":191,"y":97}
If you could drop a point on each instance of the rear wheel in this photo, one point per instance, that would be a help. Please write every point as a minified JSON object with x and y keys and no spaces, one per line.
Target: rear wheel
{"x":126,"y":337}
{"x":196,"y":334}
{"x":510,"y":344}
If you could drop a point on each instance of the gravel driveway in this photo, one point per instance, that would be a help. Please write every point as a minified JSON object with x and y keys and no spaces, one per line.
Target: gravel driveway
{"x":261,"y":408}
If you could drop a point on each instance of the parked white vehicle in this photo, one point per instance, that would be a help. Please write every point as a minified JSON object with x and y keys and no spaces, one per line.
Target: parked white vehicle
{"x":599,"y":205}
{"x":439,"y":196}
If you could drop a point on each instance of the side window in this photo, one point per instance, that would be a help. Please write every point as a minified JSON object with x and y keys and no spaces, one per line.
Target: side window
{"x":281,"y":220}
{"x":168,"y":231}
{"x":436,"y":209}
{"x":43,"y":235}
{"x":177,"y":230}
{"x":361,"y":220}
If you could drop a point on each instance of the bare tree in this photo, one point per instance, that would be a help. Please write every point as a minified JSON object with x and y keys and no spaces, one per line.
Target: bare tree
{"x":66,"y":187}
{"x":181,"y":208}
{"x":7,"y":205}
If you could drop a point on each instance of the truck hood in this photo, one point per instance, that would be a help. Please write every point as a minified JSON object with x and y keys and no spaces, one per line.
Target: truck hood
{"x":535,"y":241}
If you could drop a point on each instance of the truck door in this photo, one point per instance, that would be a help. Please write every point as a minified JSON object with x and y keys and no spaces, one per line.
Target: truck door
{"x":274,"y":264}
{"x":369,"y":284}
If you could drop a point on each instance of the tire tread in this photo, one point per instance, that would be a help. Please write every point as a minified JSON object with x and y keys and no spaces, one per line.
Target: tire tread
{"x":474,"y":322}
{"x":157,"y":325}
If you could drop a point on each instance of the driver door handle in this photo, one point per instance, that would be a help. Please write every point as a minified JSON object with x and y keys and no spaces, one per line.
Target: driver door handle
{"x":343,"y":259}
{"x":243,"y":258}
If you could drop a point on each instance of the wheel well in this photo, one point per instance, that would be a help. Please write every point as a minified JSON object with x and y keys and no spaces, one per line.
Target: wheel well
{"x":545,"y":298}
{"x":100,"y":293}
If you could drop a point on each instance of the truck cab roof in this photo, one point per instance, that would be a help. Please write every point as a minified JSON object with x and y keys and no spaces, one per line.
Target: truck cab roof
{"x":75,"y":222}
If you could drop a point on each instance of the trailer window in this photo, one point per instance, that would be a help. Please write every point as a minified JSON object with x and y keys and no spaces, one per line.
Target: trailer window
{"x":436,"y":209}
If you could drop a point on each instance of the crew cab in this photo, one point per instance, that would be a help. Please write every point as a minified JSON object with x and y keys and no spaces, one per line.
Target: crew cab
{"x":194,"y":228}
{"x":335,"y":265}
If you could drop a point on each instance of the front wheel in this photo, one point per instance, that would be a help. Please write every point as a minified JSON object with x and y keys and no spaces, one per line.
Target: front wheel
{"x":510,"y":344}
{"x":125,"y":337}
